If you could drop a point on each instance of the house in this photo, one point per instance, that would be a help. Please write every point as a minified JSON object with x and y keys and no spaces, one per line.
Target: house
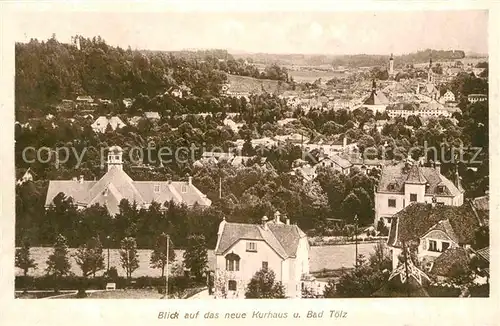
{"x":244,"y":249}
{"x":432,"y":228}
{"x":335,"y":162}
{"x":24,"y":177}
{"x":376,"y":101}
{"x":404,"y":183}
{"x":102,"y":123}
{"x":84,"y":99}
{"x":473,"y":98}
{"x":152,"y":116}
{"x":116,"y":185}
{"x":292,"y":139}
{"x":450,"y":262}
{"x":447,"y":97}
{"x":127,"y":102}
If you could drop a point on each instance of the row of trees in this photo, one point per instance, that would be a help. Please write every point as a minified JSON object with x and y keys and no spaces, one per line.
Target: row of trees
{"x":90,"y":257}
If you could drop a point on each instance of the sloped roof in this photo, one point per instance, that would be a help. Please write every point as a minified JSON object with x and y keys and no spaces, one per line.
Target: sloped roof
{"x":397,"y":175}
{"x":395,"y":288}
{"x":450,"y":260}
{"x":376,"y":98}
{"x":482,"y":203}
{"x":417,"y":219}
{"x":151,"y":115}
{"x":484,"y":253}
{"x":445,"y":226}
{"x":116,"y":185}
{"x":342,"y":162}
{"x":282,"y":238}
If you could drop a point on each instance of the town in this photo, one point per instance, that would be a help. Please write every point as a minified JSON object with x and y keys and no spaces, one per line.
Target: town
{"x":203,"y":174}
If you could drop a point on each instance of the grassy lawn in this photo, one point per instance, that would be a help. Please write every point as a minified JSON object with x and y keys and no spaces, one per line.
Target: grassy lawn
{"x":36,"y":295}
{"x":126,"y":294}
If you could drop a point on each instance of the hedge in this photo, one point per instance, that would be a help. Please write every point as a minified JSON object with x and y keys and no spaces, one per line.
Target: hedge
{"x":48,"y":282}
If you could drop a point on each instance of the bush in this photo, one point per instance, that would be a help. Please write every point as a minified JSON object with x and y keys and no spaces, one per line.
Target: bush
{"x":443,"y":291}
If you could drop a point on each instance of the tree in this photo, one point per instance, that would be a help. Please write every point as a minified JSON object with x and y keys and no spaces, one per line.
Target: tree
{"x":159,"y":254}
{"x":128,"y":256}
{"x":263,"y":286}
{"x":329,"y":291}
{"x":196,"y":256}
{"x":23,"y":258}
{"x":58,"y":262}
{"x":90,"y":257}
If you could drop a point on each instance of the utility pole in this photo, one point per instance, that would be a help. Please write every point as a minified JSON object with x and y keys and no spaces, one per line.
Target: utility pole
{"x":166,"y":274}
{"x":107,"y":238}
{"x":356,"y":236}
{"x":220,"y":187}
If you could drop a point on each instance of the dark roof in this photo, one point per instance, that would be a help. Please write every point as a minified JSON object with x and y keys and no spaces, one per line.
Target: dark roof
{"x":482,"y":203}
{"x":282,"y":238}
{"x":417,"y":219}
{"x":376,"y":98}
{"x":450,"y":260}
{"x":484,"y":253}
{"x":394,"y":177}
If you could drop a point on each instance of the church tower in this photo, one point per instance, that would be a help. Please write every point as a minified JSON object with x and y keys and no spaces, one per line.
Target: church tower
{"x":391,"y":66}
{"x":115,"y":154}
{"x":430,"y":76}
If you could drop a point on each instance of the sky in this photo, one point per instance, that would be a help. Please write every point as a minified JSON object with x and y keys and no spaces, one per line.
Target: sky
{"x":377,"y":32}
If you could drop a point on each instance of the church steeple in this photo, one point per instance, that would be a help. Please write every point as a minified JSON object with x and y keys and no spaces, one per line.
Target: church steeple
{"x":115,"y":154}
{"x":374,"y":85}
{"x":430,"y":77}
{"x":391,"y":65}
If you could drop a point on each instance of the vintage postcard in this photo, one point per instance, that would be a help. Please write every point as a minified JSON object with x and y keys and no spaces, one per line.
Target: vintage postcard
{"x":199,"y":158}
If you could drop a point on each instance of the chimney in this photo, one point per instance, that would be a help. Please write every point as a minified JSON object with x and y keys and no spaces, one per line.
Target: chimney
{"x":287,"y":220}
{"x":264,"y":222}
{"x":81,"y":178}
{"x":277,"y":217}
{"x":344,"y":143}
{"x":190,"y":180}
{"x":437,"y":166}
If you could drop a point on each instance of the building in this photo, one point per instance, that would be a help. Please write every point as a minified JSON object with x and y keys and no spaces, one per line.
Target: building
{"x":244,"y":249}
{"x":391,"y":67}
{"x":405,"y":183}
{"x":376,"y":101}
{"x":336,"y":163}
{"x":431,"y":109}
{"x":102,"y":123}
{"x":473,"y":98}
{"x":127,"y":102}
{"x":432,"y":228}
{"x":152,"y":116}
{"x":447,"y":97}
{"x":84,"y":99}
{"x":116,"y":185}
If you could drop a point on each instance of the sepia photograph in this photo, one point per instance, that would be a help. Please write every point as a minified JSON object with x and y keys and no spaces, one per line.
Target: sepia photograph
{"x":251,"y":155}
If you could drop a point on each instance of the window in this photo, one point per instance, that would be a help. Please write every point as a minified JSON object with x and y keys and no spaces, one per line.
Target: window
{"x":232,"y":262}
{"x":264,"y":265}
{"x":444,"y":246}
{"x":413,"y":197}
{"x":251,"y":246}
{"x":391,"y":202}
{"x":231,"y":285}
{"x":432,"y":245}
{"x":440,"y":189}
{"x":157,"y":188}
{"x":183,"y":189}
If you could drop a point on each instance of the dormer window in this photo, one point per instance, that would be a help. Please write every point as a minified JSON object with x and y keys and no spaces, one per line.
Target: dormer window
{"x":183,"y":189}
{"x":391,"y":186}
{"x":440,"y":189}
{"x":157,"y":188}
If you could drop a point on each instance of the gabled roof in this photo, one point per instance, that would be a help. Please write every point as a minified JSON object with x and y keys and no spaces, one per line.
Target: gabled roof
{"x":444,"y":226}
{"x":417,"y":219}
{"x":376,"y":98}
{"x":282,"y":238}
{"x":394,"y":177}
{"x":342,"y":162}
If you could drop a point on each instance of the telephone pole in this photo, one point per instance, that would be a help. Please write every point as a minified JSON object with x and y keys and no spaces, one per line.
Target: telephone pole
{"x":405,"y":257}
{"x":356,"y":237}
{"x":166,"y":274}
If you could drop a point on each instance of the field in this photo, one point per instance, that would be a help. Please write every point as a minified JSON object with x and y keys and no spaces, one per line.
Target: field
{"x":322,"y":257}
{"x":252,"y":85}
{"x":309,"y":76}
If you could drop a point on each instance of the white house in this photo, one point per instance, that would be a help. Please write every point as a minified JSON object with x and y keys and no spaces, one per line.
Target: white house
{"x":116,"y":185}
{"x":244,"y":249}
{"x":102,"y":123}
{"x":406,"y":183}
{"x":447,"y":97}
{"x":432,"y":229}
{"x":336,"y":163}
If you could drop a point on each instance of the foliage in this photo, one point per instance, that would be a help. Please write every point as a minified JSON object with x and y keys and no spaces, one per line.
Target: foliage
{"x":263,"y":286}
{"x":23,"y":258}
{"x":58,"y":262}
{"x":90,"y":257}
{"x":128,"y":256}
{"x":159,"y":254}
{"x":195,"y":256}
